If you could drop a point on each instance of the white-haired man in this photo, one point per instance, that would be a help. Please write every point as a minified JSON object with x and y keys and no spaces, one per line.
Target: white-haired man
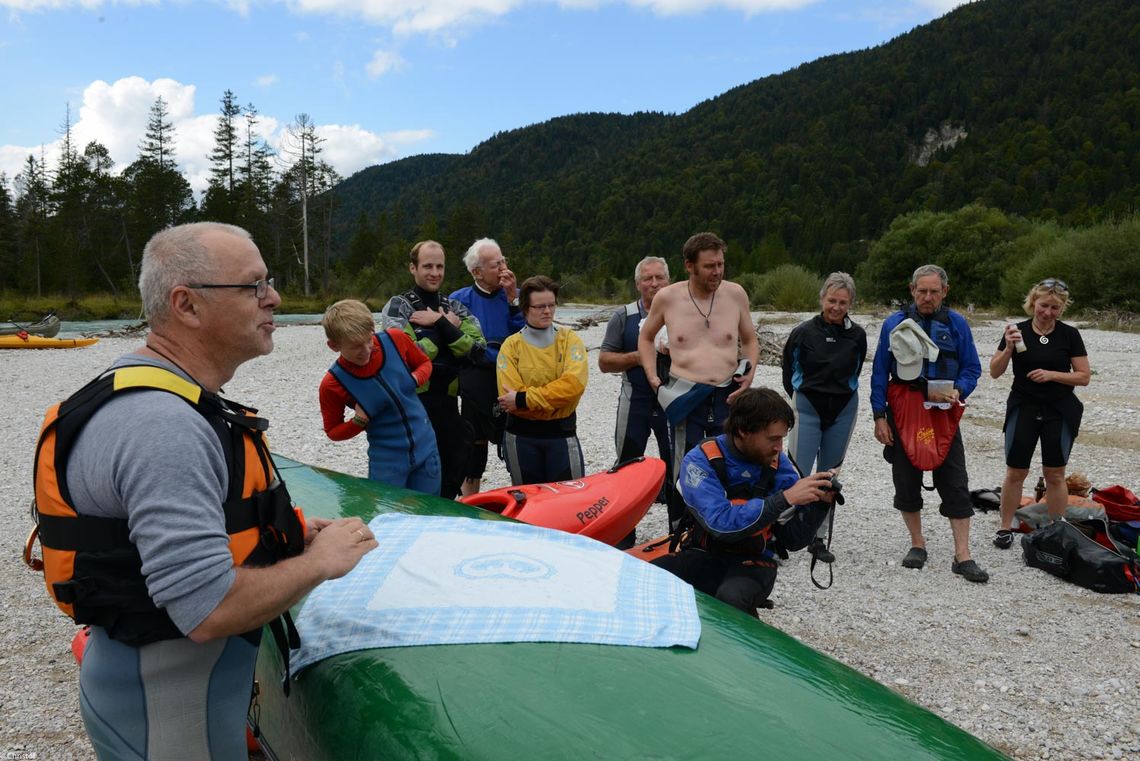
{"x":493,"y":300}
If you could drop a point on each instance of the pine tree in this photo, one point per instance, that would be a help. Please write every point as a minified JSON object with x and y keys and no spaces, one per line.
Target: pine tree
{"x":65,"y":223}
{"x":255,"y":174}
{"x":157,"y":146}
{"x":220,"y":200}
{"x":33,"y":205}
{"x":159,"y":195}
{"x":8,"y":229}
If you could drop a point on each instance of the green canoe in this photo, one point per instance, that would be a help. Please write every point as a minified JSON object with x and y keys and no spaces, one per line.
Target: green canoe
{"x":47,"y":326}
{"x":747,"y":691}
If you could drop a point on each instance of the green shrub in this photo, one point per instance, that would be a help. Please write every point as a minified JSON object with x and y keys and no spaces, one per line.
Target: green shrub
{"x":1101,"y":266}
{"x":789,"y":288}
{"x":976,"y":245}
{"x":751,"y":282}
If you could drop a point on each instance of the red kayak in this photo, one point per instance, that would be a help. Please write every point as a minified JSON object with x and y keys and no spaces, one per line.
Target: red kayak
{"x":604,"y":506}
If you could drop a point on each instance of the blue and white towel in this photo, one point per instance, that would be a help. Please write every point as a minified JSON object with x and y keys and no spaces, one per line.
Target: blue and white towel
{"x":435,"y":581}
{"x":679,"y":396}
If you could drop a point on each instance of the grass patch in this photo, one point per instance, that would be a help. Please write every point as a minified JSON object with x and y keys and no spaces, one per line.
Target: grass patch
{"x":96,"y":306}
{"x":1108,"y":319}
{"x":104,"y":306}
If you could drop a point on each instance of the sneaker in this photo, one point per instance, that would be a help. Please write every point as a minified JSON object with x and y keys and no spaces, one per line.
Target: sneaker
{"x":1004,"y":539}
{"x":820,"y":552}
{"x":915,"y":558}
{"x":971,"y":571}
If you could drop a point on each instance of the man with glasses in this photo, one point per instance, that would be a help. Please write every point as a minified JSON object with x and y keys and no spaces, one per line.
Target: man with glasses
{"x":925,"y":365}
{"x":164,"y":523}
{"x":493,"y":300}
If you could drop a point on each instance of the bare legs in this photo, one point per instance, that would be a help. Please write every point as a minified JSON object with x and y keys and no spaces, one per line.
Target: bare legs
{"x":1056,"y":491}
{"x":1011,"y":489}
{"x":959,"y":527}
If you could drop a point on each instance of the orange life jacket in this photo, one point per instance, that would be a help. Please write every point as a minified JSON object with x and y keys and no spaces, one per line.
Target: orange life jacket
{"x":92,"y":570}
{"x":737,"y":494}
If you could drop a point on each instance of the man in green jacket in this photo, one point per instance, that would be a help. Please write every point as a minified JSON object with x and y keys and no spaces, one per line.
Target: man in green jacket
{"x":449,"y":334}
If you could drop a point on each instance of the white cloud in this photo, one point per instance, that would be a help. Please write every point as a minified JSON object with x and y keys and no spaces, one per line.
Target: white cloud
{"x":266,"y":80}
{"x":384,"y":61}
{"x":116,"y":115}
{"x":748,"y":7}
{"x":430,"y":16}
{"x":350,"y":148}
{"x":942,"y":7}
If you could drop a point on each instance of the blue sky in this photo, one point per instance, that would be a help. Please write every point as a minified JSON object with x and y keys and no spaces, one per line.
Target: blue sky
{"x":384,"y":79}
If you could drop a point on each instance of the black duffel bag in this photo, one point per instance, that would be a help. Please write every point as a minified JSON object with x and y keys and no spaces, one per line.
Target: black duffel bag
{"x":1084,"y":553}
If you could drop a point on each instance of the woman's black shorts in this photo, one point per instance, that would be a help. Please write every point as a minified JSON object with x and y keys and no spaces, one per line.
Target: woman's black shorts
{"x":1025,"y":424}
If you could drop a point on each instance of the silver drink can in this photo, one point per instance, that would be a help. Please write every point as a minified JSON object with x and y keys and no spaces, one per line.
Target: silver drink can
{"x":1019,"y":346}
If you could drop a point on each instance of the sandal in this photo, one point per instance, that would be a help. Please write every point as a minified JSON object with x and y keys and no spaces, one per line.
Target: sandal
{"x":915,"y":558}
{"x":970,"y":570}
{"x":1004,"y":539}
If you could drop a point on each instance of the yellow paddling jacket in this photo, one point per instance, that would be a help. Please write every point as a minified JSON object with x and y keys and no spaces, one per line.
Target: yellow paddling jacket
{"x":550,"y":380}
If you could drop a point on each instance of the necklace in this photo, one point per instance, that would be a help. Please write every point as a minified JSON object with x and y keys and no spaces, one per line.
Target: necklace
{"x":712,"y":301}
{"x":1043,"y":336}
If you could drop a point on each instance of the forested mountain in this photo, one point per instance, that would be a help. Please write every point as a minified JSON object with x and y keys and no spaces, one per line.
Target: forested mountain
{"x":984,"y":137}
{"x":1028,"y":106}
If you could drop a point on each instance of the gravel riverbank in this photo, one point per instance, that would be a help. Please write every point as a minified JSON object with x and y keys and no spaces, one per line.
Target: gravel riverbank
{"x":1037,"y":667}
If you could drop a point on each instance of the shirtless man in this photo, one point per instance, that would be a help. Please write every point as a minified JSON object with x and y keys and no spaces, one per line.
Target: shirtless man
{"x":705,"y":318}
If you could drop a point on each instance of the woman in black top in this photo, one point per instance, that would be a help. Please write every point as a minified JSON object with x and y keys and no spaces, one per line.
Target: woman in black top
{"x":822,"y":360}
{"x":1049,"y":360}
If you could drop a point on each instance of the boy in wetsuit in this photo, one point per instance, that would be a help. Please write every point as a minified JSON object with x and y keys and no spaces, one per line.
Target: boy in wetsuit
{"x":376,"y":376}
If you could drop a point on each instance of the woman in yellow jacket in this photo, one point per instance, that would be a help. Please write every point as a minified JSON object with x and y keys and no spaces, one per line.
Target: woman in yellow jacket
{"x":542,"y":373}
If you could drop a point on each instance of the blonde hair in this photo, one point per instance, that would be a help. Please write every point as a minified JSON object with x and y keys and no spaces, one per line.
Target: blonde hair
{"x":348,"y":320}
{"x":1040,"y":290}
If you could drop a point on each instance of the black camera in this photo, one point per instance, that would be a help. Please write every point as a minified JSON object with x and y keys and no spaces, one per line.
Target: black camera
{"x":833,"y":485}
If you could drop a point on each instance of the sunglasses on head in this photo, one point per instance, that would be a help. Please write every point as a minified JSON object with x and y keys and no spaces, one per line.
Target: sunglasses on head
{"x":1053,"y":284}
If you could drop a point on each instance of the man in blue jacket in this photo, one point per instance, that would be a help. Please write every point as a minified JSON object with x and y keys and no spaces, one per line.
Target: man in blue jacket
{"x":746,"y":504}
{"x":906,"y":361}
{"x":493,"y":301}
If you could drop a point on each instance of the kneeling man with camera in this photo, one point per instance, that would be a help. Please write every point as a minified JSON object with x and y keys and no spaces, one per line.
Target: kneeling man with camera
{"x":746,"y":504}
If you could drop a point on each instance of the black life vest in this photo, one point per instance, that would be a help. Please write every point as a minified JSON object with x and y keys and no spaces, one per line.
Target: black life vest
{"x":445,"y":366}
{"x":92,"y":570}
{"x":697,"y":536}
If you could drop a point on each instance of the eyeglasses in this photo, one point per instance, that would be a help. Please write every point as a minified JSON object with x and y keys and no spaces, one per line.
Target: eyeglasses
{"x":1053,"y":284}
{"x":542,"y":307}
{"x":260,"y":287}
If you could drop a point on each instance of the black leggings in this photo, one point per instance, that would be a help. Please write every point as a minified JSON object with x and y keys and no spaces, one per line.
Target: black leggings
{"x":738,"y":580}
